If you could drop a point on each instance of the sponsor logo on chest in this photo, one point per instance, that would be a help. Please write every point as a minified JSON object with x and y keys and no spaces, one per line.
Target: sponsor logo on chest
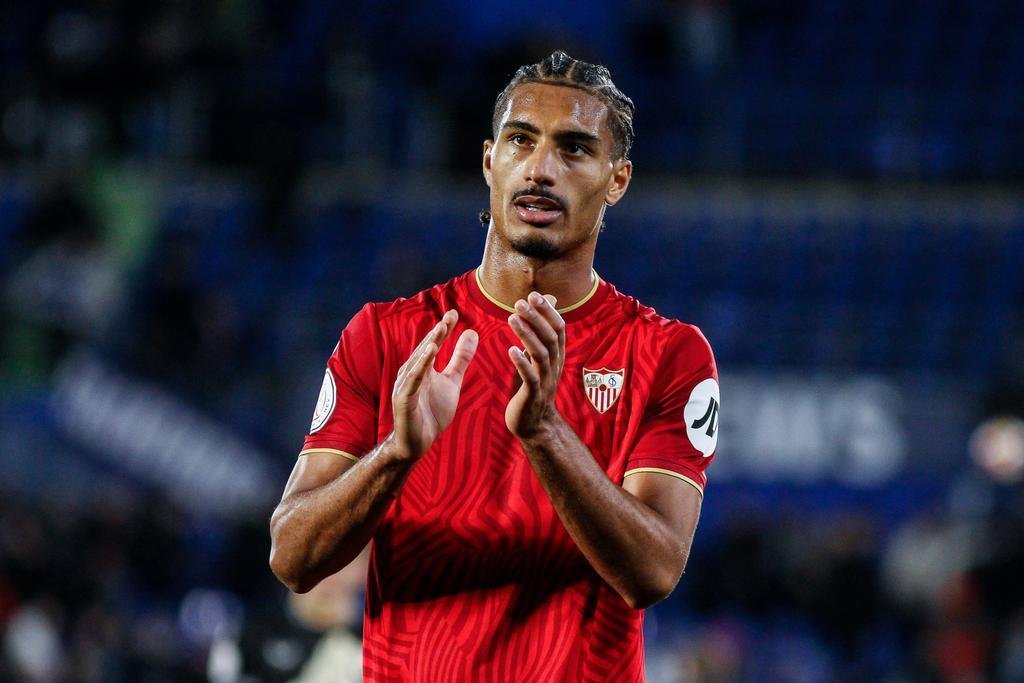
{"x":603,"y":387}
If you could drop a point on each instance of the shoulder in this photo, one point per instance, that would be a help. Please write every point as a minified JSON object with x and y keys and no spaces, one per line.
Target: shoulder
{"x":429,"y":303}
{"x":383,"y":330}
{"x":659,"y":333}
{"x":402,"y":322}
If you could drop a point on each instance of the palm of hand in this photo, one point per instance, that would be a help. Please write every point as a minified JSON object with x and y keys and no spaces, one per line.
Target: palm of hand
{"x":435,"y":407}
{"x":526,"y":409}
{"x":538,"y":365}
{"x":424,"y":399}
{"x":516,"y":410}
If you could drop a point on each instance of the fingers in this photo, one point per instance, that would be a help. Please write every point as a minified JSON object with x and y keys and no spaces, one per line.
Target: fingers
{"x":465,"y":348}
{"x":527,"y":372}
{"x":438,"y":333}
{"x":419,"y":369}
{"x":540,"y":327}
{"x":415,"y":369}
{"x":441,"y":330}
{"x":546,"y":306}
{"x":434,"y":337}
{"x":535,"y":348}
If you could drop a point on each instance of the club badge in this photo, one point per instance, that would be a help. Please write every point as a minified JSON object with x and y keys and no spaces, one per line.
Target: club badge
{"x":603,"y":387}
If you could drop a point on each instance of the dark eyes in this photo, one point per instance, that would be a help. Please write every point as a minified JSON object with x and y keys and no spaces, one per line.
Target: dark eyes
{"x":571,"y":148}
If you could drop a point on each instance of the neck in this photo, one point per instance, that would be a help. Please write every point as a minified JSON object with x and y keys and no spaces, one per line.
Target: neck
{"x":509,"y":276}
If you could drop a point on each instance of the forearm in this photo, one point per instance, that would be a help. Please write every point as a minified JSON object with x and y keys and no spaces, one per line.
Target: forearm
{"x":316,"y":532}
{"x":628,"y":543}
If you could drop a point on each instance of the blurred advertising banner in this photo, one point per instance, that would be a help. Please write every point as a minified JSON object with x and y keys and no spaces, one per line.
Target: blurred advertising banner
{"x":154,"y":436}
{"x":858,"y":430}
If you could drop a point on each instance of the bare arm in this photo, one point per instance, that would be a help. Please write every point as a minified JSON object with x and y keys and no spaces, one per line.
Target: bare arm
{"x":637,"y":537}
{"x":331,"y":505}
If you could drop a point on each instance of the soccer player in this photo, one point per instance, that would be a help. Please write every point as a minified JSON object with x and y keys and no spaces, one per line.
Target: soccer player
{"x":525,"y":445}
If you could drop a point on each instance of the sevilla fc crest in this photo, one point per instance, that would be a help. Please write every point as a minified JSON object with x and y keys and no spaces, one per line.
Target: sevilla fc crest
{"x":603,"y":386}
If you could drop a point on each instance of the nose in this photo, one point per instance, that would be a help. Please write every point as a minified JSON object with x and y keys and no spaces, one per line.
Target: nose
{"x":541,"y":165}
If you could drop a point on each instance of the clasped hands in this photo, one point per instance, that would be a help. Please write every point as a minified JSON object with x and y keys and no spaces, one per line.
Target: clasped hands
{"x":424,"y":399}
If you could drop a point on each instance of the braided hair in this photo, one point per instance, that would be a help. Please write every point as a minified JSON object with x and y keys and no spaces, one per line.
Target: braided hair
{"x":561,"y":69}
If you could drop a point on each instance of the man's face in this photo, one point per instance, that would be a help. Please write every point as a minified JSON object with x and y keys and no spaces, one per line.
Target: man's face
{"x":551,"y":170}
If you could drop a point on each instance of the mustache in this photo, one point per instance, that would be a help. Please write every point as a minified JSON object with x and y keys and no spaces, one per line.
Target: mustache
{"x":538,"y":191}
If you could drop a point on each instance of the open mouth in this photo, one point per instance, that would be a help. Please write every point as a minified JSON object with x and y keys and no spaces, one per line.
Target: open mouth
{"x":537,"y":210}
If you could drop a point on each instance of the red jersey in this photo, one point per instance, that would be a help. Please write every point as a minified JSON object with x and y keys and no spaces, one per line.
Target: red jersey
{"x":472,"y":575}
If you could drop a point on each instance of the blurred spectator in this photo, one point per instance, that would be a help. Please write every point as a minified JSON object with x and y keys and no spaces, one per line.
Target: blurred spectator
{"x":92,"y":592}
{"x":67,"y":283}
{"x":316,"y":639}
{"x":335,"y":609}
{"x":32,"y":643}
{"x":958,"y":643}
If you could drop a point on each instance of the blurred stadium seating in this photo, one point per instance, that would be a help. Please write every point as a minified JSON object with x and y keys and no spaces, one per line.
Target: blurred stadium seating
{"x":194,"y":198}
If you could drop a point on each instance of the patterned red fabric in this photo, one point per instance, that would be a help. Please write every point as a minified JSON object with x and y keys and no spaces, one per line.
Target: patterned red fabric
{"x":472,"y":575}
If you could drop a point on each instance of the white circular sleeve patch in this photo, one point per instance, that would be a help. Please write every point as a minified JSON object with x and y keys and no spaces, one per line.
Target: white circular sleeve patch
{"x":324,"y":403}
{"x":701,"y":415}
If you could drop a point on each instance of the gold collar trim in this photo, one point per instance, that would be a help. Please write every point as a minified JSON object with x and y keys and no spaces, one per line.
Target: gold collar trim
{"x":510,"y":309}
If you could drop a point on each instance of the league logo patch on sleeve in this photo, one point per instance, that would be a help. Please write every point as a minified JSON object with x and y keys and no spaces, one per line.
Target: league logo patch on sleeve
{"x":701,"y":415}
{"x":324,"y":403}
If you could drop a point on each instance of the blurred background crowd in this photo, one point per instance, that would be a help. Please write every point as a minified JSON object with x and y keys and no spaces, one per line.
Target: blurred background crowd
{"x":196,"y":196}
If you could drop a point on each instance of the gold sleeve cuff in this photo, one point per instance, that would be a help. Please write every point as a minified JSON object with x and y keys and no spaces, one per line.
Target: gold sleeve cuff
{"x":658,"y":470}
{"x":335,"y":451}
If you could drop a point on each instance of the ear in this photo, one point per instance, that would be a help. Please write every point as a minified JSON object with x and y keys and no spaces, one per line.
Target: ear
{"x":488,"y":148}
{"x":622,"y":171}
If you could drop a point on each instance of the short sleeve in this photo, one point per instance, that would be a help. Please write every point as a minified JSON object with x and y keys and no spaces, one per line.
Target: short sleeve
{"x":345,"y":416}
{"x":679,"y":433}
